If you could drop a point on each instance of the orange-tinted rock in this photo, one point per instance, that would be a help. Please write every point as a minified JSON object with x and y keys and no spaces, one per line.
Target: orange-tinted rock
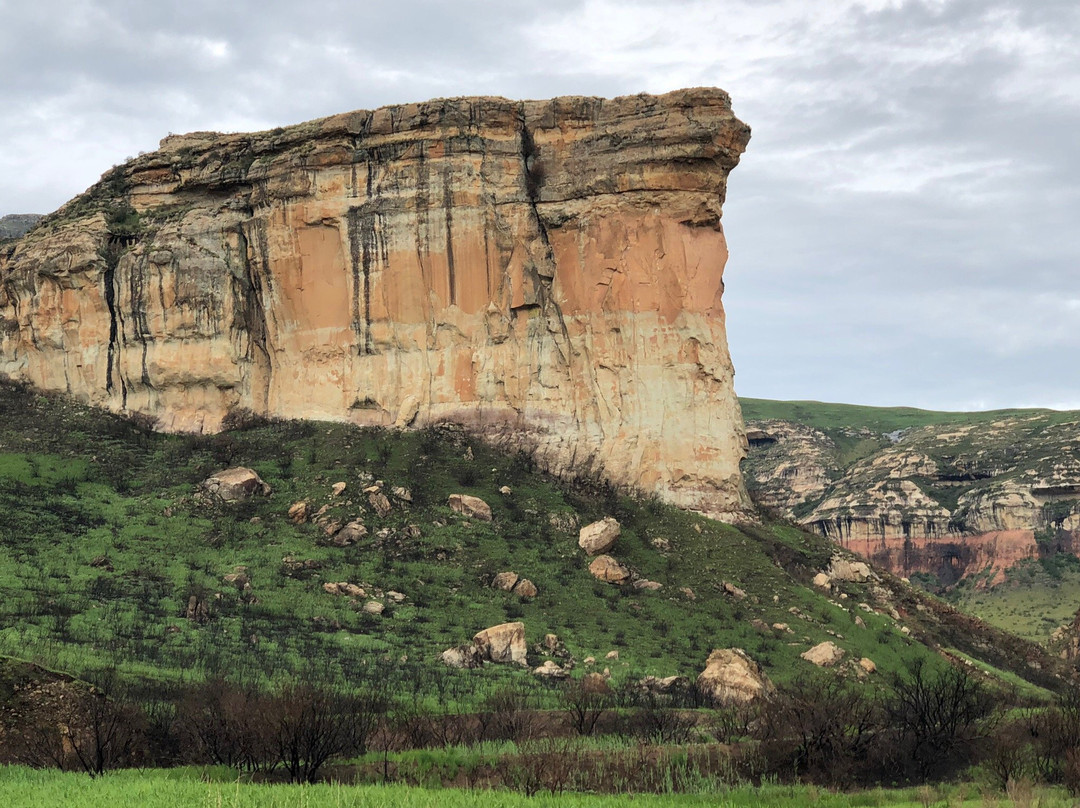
{"x":546,"y":273}
{"x":605,"y":568}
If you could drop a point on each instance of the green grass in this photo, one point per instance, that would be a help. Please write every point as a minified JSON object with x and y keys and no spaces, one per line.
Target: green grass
{"x":192,"y":788}
{"x":823,"y":415}
{"x":1029,"y":603}
{"x":78,"y":485}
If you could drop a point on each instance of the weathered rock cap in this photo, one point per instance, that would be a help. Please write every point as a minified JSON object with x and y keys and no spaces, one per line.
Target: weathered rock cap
{"x":235,"y":484}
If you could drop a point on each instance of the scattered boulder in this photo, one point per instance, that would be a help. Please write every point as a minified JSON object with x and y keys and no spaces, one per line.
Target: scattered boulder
{"x":607,"y":569}
{"x":648,"y":586}
{"x":667,"y":684}
{"x":824,"y":655}
{"x":512,"y":582}
{"x":506,"y":581}
{"x":595,"y":684}
{"x":235,"y":484}
{"x":330,"y":526}
{"x":395,"y":597}
{"x":599,"y":537}
{"x":238,"y":578}
{"x":337,"y":489}
{"x":688,"y":593}
{"x":868,"y":665}
{"x":526,"y":589}
{"x":374,"y":607}
{"x":401,"y":493}
{"x":470,"y":506}
{"x":611,"y":655}
{"x":197,"y":610}
{"x":506,"y":491}
{"x":844,"y":569}
{"x":380,"y":503}
{"x":784,"y":627}
{"x":550,"y":643}
{"x":299,"y":512}
{"x":462,"y":656}
{"x":733,"y":591}
{"x":350,"y":534}
{"x":660,"y":543}
{"x":503,"y":643}
{"x":732,"y":677}
{"x":821,"y":580}
{"x":293,"y":566}
{"x":551,"y":670}
{"x":344,"y":588}
{"x":590,"y":660}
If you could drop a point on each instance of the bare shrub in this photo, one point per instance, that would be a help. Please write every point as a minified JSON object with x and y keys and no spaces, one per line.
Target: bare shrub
{"x":582,"y":706}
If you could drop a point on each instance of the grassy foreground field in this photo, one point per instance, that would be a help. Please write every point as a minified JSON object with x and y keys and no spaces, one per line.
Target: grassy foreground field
{"x":191,"y":788}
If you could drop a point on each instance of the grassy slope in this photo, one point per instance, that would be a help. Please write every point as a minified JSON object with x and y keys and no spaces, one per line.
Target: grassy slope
{"x":827,"y":416}
{"x":76,"y":484}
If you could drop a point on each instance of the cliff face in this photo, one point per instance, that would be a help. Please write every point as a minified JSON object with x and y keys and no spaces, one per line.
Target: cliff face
{"x":948,"y":500}
{"x":548,"y":274}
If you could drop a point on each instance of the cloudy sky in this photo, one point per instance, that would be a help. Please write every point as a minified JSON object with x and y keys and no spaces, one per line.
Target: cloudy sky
{"x":904,"y":228}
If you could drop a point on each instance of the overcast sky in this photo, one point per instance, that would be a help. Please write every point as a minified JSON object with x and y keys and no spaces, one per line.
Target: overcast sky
{"x":904,"y":228}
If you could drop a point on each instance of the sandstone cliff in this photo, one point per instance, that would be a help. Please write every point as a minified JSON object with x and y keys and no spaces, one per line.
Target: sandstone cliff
{"x":548,"y":273}
{"x":974,"y":494}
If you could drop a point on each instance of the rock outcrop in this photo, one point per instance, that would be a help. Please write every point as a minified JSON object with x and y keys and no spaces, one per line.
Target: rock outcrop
{"x":732,"y":677}
{"x":599,"y":537}
{"x":946,"y":501}
{"x":546,"y":273}
{"x":235,"y":484}
{"x":607,"y":569}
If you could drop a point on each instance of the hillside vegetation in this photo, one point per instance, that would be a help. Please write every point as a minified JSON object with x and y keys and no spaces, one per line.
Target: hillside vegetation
{"x":105,"y":542}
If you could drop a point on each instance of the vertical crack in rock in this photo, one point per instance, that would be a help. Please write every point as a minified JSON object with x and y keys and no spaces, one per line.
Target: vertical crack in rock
{"x":363,"y":248}
{"x":140,"y":323}
{"x":533,"y":173}
{"x":448,"y":206}
{"x":111,"y":256}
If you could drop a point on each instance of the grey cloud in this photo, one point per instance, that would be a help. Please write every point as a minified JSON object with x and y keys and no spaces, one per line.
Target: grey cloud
{"x":901,"y":228}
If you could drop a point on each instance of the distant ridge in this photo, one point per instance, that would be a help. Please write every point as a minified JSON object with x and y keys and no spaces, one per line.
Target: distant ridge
{"x":15,"y":224}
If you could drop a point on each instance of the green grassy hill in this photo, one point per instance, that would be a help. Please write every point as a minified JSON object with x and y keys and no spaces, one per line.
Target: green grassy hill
{"x":828,"y":416}
{"x":105,"y":540}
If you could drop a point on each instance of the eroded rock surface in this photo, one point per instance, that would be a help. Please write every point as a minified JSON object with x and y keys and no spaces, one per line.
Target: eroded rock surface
{"x":946,"y":500}
{"x":546,"y":273}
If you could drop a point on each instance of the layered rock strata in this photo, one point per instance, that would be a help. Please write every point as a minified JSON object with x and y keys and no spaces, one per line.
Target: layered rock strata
{"x":948,"y":500}
{"x":547,"y":273}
